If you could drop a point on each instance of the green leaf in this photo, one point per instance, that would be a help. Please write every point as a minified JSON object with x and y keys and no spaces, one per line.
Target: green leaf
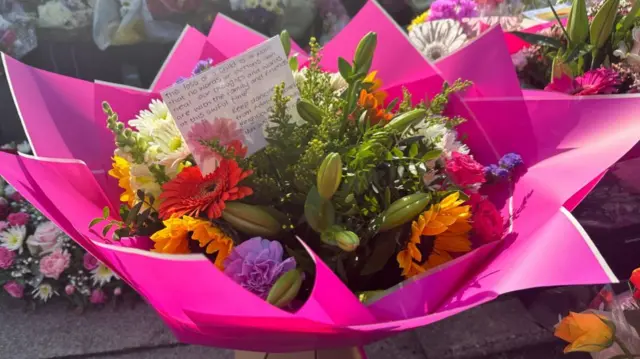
{"x":392,"y":104}
{"x":384,"y":247}
{"x":133,"y":213}
{"x":95,"y":221}
{"x":603,"y":24}
{"x":431,"y":155}
{"x":555,"y":14}
{"x":537,"y":39}
{"x":106,"y":229}
{"x":397,"y":152}
{"x":413,"y":150}
{"x":151,"y":199}
{"x":629,"y":20}
{"x":105,"y":212}
{"x":319,"y":212}
{"x":345,"y":68}
{"x":341,"y":271}
{"x":293,"y":62}
{"x":577,"y":51}
{"x":140,"y":194}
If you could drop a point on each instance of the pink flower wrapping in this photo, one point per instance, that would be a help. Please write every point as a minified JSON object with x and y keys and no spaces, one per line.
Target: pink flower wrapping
{"x":214,"y":310}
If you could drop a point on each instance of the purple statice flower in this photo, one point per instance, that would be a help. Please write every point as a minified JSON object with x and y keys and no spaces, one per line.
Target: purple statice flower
{"x":510,"y":161}
{"x":501,"y":173}
{"x":452,"y":9}
{"x":256,"y":264}
{"x":202,"y":66}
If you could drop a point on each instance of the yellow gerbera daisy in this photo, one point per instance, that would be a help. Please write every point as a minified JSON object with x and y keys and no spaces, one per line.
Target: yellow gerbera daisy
{"x":174,"y":238}
{"x":448,"y":222}
{"x":121,"y":170}
{"x":418,"y":20}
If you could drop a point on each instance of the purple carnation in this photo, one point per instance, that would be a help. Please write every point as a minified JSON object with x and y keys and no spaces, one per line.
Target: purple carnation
{"x":256,"y":264}
{"x":452,"y":9}
{"x":510,"y":161}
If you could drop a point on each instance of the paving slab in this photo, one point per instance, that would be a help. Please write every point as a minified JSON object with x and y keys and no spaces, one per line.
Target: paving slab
{"x":174,"y":352}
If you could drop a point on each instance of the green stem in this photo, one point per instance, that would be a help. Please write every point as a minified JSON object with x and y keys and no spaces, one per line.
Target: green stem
{"x":624,"y":348}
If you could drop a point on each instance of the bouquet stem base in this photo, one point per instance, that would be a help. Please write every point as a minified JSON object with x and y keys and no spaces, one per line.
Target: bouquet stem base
{"x":345,"y":353}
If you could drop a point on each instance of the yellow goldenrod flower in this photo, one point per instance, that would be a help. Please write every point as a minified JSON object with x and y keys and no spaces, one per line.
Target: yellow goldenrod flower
{"x":585,"y":332}
{"x":448,"y":222}
{"x":121,"y":171}
{"x":419,"y":20}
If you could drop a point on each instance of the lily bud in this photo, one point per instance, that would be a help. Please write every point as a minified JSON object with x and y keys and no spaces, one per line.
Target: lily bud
{"x":603,"y":23}
{"x":309,"y":112}
{"x":347,"y":240}
{"x":364,"y":52}
{"x":578,"y":22}
{"x":404,"y":210}
{"x":329,"y":175}
{"x":285,"y":289}
{"x":286,"y":42}
{"x":251,"y":220}
{"x":402,"y":122}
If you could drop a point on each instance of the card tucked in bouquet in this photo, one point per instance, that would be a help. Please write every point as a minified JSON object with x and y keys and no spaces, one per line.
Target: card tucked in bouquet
{"x":231,"y":101}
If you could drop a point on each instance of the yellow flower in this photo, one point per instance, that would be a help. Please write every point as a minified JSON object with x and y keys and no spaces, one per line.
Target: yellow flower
{"x":174,"y":238}
{"x":585,"y":332}
{"x":448,"y":221}
{"x":214,"y":239}
{"x":419,"y":20}
{"x":375,"y":85}
{"x":121,"y":171}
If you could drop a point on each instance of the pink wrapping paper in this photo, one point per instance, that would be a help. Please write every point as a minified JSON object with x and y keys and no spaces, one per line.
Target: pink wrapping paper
{"x":566,"y":144}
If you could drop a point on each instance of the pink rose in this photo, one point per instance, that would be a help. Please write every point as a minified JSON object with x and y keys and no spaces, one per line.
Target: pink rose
{"x":14,"y":289}
{"x":488,"y":224}
{"x":52,"y":265}
{"x":464,"y":170}
{"x":98,"y":296}
{"x":18,"y":219}
{"x":45,"y":238}
{"x":90,"y":262}
{"x":6,"y":258}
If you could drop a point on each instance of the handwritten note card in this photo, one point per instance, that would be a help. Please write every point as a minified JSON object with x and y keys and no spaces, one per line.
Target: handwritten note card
{"x":230,"y":102}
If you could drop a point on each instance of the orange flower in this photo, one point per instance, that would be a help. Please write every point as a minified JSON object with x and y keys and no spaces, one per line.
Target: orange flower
{"x":586,"y":332}
{"x":192,"y":194}
{"x":448,"y":222}
{"x":372,"y":99}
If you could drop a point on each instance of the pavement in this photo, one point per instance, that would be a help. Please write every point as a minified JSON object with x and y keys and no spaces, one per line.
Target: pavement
{"x":499,"y":329}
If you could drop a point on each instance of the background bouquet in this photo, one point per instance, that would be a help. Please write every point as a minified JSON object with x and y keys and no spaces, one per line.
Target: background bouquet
{"x":332,"y":316}
{"x":38,"y":261}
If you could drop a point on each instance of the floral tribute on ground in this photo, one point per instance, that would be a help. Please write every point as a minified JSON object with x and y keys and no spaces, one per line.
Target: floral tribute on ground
{"x":597,"y":52}
{"x":39,"y":262}
{"x":380,"y":189}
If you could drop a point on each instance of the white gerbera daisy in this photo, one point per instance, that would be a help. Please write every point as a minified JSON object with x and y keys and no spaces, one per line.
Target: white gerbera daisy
{"x":44,"y":292}
{"x":101,"y":275}
{"x":436,"y":39}
{"x":13,"y":238}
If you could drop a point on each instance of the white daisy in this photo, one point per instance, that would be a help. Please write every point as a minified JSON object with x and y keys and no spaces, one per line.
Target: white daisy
{"x":338,"y":83}
{"x":13,"y":238}
{"x":102,"y":275}
{"x":436,"y":39}
{"x":44,"y":292}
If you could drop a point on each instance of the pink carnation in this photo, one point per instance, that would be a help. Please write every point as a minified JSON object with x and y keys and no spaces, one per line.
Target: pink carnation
{"x":464,"y":170}
{"x":89,"y":261}
{"x":52,"y":265}
{"x":14,"y":289}
{"x":18,"y":219}
{"x":98,"y":296}
{"x":6,"y":258}
{"x":593,"y":82}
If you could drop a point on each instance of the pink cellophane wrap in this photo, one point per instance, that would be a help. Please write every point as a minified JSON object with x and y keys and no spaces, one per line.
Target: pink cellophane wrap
{"x":566,"y":143}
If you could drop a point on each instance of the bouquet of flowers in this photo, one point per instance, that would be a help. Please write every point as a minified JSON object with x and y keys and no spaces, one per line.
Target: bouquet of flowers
{"x":38,"y":261}
{"x":423,"y":206}
{"x":594,"y":52}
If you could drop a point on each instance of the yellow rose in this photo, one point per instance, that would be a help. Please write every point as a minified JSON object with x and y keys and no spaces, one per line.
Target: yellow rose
{"x":585,"y":332}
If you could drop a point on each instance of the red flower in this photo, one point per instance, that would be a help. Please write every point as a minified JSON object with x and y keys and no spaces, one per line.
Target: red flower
{"x":635,"y":280}
{"x":487,"y":224}
{"x":192,"y":194}
{"x":592,"y":82}
{"x":464,"y":170}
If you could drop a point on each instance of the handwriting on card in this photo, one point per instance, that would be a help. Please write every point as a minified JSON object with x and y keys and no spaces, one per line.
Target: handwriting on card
{"x":230,"y":103}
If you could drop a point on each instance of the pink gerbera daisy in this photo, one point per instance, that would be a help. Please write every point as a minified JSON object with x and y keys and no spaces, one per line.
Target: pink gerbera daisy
{"x":229,"y":135}
{"x":593,"y":82}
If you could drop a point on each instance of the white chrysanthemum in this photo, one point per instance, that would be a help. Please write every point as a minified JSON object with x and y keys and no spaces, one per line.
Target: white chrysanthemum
{"x":449,"y":143}
{"x":101,"y":275}
{"x":44,"y":292}
{"x":436,"y":39}
{"x":13,"y":238}
{"x":431,"y":132}
{"x":24,"y":147}
{"x":148,"y":120}
{"x":338,"y":83}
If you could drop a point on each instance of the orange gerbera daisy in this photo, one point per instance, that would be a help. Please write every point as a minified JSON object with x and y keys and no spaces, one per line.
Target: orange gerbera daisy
{"x":191,"y":193}
{"x":448,"y":222}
